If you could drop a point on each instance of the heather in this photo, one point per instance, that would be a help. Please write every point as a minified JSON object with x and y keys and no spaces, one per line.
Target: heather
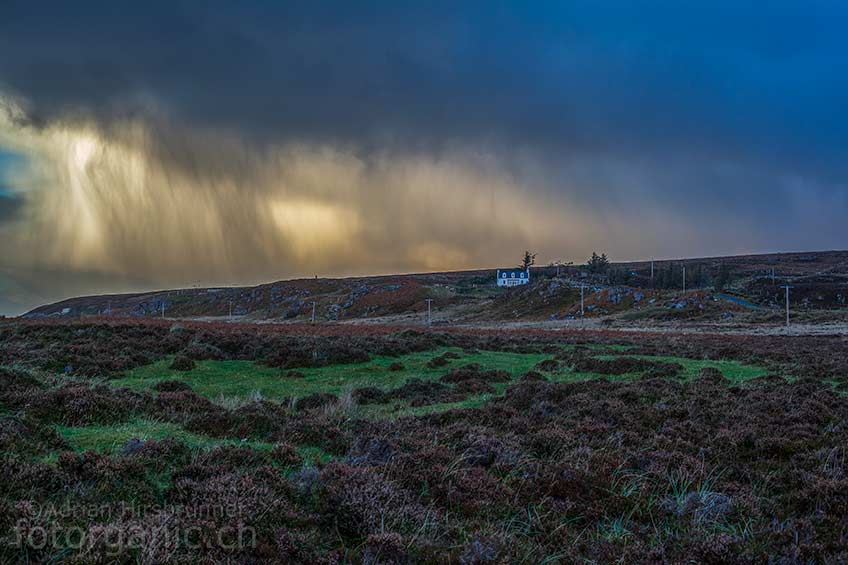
{"x":524,"y":447}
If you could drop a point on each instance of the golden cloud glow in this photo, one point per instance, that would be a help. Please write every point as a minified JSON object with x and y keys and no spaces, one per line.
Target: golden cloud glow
{"x":182,"y":206}
{"x":311,"y":227}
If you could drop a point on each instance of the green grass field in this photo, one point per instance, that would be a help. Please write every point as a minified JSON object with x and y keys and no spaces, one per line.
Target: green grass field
{"x":245,"y":379}
{"x":734,"y":371}
{"x":234,"y":382}
{"x":110,"y":438}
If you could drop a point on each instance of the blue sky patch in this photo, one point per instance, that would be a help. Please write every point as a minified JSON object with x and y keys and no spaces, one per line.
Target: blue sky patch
{"x":10,"y":202}
{"x":8,"y":160}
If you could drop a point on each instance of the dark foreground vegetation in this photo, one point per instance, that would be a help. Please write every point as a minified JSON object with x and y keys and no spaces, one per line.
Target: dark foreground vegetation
{"x":485,"y":447}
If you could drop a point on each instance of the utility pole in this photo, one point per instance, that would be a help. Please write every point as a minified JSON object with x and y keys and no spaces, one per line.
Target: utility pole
{"x":313,"y":311}
{"x":163,"y":309}
{"x":429,"y":318}
{"x":581,"y":300}
{"x":652,"y":271}
{"x":787,"y":287}
{"x":231,"y":310}
{"x":560,"y":263}
{"x":684,"y":279}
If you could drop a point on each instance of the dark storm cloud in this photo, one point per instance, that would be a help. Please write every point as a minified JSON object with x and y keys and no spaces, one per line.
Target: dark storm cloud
{"x":591,"y":75}
{"x":725,"y":118}
{"x":727,"y":81}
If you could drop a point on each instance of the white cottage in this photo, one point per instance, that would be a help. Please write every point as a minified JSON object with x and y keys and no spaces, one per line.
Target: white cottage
{"x":513,"y":277}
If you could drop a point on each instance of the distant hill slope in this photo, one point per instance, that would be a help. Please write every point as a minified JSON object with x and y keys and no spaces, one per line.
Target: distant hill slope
{"x":334,"y":299}
{"x":819,"y":280}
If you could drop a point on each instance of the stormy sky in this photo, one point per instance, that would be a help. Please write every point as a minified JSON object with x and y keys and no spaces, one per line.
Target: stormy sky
{"x":154,"y":144}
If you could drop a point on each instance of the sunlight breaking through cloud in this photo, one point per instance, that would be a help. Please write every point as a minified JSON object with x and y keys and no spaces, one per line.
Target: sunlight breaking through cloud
{"x":177,"y":206}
